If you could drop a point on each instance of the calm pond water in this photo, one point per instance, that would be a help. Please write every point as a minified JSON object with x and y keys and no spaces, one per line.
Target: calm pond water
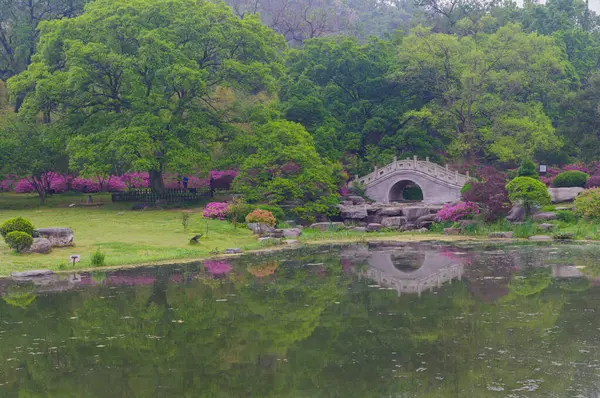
{"x":414,"y":320}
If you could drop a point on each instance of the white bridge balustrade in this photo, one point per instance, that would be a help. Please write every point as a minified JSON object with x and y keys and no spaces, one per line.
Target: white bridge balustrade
{"x":439,"y":184}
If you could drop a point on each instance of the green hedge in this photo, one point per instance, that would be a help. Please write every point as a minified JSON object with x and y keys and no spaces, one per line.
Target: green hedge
{"x":570,"y":179}
{"x":16,"y":224}
{"x":18,"y":241}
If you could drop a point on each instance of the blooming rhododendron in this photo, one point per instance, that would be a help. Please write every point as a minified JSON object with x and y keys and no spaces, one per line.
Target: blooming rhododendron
{"x":458,"y":211}
{"x":215,"y":210}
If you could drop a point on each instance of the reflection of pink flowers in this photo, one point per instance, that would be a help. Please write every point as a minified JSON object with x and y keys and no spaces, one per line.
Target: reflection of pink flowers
{"x":124,"y":280}
{"x":346,"y":265}
{"x":217,"y":267}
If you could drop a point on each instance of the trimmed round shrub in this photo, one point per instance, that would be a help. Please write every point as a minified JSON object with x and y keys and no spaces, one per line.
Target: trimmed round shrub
{"x":570,"y":179}
{"x":587,"y":203}
{"x":262,"y":217}
{"x":18,"y":241}
{"x":16,"y":224}
{"x":528,"y":191}
{"x":593,"y":182}
{"x":527,"y":169}
{"x":247,"y":208}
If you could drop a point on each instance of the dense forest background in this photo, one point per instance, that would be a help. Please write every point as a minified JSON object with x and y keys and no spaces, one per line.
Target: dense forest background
{"x":294,"y":92}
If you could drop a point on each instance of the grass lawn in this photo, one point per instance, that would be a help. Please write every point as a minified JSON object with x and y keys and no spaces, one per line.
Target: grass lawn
{"x":126,"y":237}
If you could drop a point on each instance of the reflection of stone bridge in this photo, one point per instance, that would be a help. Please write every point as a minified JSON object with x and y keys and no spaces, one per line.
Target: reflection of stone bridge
{"x":438,"y":184}
{"x":408,"y":270}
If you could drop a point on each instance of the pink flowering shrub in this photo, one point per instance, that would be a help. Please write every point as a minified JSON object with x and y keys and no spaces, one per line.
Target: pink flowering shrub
{"x":136,"y":180}
{"x":24,"y":186}
{"x":458,"y":211}
{"x":216,"y":210}
{"x":217,"y":267}
{"x":58,"y":183}
{"x":172,"y":181}
{"x":593,"y":182}
{"x":116,"y":184}
{"x":85,"y":185}
{"x":223,"y":179}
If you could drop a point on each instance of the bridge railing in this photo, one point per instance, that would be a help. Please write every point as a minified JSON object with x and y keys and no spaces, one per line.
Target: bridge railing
{"x":429,"y":168}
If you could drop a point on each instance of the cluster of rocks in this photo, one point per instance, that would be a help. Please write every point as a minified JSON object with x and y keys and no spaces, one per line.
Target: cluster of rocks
{"x":267,"y":233}
{"x":373,"y":217}
{"x":47,"y":238}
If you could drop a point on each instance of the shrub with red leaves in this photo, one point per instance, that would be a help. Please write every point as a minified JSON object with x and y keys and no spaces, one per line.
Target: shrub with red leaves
{"x":490,"y":193}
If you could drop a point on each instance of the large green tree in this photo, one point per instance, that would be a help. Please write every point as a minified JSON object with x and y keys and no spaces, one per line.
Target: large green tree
{"x":140,"y":77}
{"x":19,"y":32}
{"x":493,"y":94}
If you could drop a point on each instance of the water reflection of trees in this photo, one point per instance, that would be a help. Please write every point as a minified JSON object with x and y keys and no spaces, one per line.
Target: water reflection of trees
{"x":301,"y":331}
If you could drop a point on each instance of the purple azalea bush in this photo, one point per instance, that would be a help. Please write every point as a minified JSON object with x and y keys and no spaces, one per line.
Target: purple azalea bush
{"x":216,"y":210}
{"x":58,"y":183}
{"x":458,"y":211}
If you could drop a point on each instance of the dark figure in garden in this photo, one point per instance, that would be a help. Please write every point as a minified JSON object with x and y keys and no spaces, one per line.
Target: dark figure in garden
{"x":185,"y":182}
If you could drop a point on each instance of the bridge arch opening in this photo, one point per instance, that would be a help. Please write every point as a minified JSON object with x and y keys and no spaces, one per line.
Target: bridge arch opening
{"x":405,"y":191}
{"x":408,"y":261}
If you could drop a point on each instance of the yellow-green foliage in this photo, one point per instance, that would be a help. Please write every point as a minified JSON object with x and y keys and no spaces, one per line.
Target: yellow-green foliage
{"x":587,"y":203}
{"x":18,"y":241}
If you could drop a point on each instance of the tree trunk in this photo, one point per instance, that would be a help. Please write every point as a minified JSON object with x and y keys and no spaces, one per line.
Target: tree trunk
{"x":156,"y":181}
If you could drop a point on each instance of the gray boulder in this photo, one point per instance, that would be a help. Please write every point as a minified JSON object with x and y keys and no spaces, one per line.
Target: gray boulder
{"x":413,"y":213}
{"x":559,"y":195}
{"x":390,"y":212}
{"x":516,"y":214}
{"x":233,"y":251}
{"x":540,"y":238}
{"x":58,"y":237}
{"x":425,"y":225}
{"x":358,"y":229}
{"x":549,"y":215}
{"x":546,"y":226}
{"x":326,"y":226}
{"x":408,"y":227}
{"x":373,"y":219}
{"x":32,"y":274}
{"x":259,"y":228}
{"x":353,"y":212}
{"x":286,"y":233}
{"x":40,"y":245}
{"x":502,"y":235}
{"x":346,"y":203}
{"x":374,"y":227}
{"x":426,"y":220}
{"x":393,"y":222}
{"x":291,"y":242}
{"x":357,"y":200}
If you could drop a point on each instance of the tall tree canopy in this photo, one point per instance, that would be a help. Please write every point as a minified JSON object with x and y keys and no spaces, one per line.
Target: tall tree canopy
{"x":138,"y":78}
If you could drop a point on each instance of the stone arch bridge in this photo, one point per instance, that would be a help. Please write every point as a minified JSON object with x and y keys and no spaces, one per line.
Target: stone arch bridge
{"x":438,"y":184}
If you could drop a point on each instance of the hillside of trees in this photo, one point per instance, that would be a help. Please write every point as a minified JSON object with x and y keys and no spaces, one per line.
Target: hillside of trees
{"x":297,"y":95}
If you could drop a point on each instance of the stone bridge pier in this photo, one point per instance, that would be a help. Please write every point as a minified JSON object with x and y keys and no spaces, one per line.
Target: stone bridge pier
{"x":438,"y":184}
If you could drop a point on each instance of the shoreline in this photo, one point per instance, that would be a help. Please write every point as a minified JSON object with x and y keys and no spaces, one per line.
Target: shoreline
{"x":309,"y":242}
{"x":314,"y":242}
